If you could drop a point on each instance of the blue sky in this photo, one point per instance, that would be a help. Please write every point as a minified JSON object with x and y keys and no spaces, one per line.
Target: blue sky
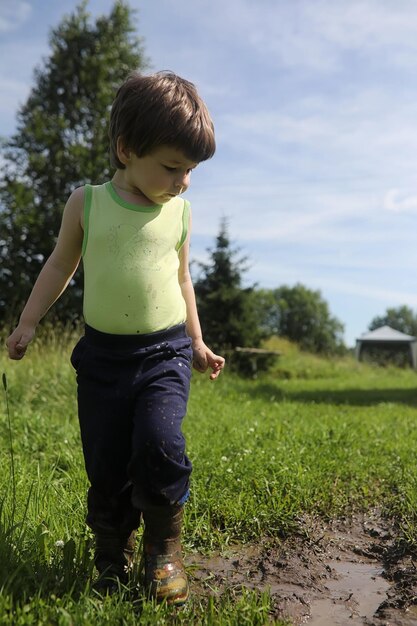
{"x":315,"y":107}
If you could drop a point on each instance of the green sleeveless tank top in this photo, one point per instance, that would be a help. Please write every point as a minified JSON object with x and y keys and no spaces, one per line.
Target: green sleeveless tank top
{"x":131,"y":261}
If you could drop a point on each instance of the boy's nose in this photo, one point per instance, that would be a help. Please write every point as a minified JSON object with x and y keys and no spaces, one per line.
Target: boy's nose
{"x":182,"y":181}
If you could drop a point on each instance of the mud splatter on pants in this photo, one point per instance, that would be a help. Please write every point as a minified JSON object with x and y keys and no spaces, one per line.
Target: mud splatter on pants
{"x":132,"y":398}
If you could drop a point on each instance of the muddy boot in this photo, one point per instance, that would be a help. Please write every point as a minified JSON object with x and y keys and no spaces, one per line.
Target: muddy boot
{"x":113,"y":559}
{"x":165,"y":577}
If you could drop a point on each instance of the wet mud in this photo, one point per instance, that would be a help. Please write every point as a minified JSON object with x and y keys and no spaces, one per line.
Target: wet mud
{"x":349,"y":571}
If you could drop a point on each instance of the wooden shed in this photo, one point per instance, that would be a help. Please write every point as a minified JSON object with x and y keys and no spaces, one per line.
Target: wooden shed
{"x":386,"y":337}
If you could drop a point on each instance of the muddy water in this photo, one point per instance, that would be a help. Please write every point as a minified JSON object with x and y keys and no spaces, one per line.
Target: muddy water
{"x":330,"y":574}
{"x":354,"y":595}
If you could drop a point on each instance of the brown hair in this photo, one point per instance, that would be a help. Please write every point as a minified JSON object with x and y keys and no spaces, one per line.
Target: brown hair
{"x":160,"y":109}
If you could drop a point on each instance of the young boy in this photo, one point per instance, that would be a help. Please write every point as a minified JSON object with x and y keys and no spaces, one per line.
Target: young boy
{"x":142,"y":329}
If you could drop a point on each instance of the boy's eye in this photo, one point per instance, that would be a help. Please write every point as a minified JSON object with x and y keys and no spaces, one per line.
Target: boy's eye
{"x":175,"y":169}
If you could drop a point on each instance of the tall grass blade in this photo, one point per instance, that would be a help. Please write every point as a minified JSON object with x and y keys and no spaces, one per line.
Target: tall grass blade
{"x":12,"y":464}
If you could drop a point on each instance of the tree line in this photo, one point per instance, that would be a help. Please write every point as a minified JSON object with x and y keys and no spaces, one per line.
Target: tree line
{"x":61,"y":142}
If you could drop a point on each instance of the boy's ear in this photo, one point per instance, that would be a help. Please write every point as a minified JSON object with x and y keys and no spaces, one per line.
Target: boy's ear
{"x":123,"y":152}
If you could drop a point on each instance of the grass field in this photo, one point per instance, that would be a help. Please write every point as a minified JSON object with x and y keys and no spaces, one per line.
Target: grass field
{"x":314,"y":437}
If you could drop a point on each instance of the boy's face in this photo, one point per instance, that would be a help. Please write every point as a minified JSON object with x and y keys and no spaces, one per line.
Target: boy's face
{"x":160,"y":175}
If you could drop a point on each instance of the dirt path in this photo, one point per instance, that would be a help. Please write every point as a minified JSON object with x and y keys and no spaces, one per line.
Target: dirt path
{"x":349,"y":572}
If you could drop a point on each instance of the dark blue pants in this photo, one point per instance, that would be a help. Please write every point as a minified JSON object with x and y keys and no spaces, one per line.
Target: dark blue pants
{"x":132,"y":398}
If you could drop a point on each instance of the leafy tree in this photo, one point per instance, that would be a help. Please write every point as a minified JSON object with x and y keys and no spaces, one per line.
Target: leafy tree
{"x":226,"y":309}
{"x":401,"y":318}
{"x":267,"y":312}
{"x":60,"y":143}
{"x":301,"y":315}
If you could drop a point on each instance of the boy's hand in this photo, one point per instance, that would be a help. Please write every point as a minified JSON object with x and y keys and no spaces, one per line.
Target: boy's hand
{"x":18,"y":342}
{"x":204,"y":358}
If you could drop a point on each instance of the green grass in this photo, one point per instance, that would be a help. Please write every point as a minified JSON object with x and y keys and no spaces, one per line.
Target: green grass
{"x":313,"y":437}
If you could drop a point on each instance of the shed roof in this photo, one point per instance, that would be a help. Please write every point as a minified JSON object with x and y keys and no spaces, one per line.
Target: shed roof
{"x":386,"y":333}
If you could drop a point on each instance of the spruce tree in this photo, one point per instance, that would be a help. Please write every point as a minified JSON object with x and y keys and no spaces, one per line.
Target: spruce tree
{"x":225,"y":308}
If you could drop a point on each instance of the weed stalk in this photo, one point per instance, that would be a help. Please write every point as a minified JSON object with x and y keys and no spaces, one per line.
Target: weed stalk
{"x":12,"y":466}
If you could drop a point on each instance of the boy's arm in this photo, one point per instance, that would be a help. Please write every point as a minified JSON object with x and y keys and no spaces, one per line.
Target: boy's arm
{"x":54,"y":276}
{"x":203,"y":357}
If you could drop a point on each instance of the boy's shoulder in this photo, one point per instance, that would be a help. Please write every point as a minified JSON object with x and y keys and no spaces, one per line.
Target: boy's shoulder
{"x":78,"y":194}
{"x":75,"y":203}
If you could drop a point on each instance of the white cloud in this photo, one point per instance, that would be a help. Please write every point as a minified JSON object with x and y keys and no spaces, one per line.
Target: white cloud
{"x":317,"y":35}
{"x":376,"y":292}
{"x":13,"y":14}
{"x":16,"y":78}
{"x":362,"y":23}
{"x":364,"y":120}
{"x":400,"y":200}
{"x":314,"y":36}
{"x":13,"y":91}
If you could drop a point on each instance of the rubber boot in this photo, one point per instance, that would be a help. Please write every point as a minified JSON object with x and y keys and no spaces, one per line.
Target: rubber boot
{"x":113,"y":559}
{"x":165,"y":577}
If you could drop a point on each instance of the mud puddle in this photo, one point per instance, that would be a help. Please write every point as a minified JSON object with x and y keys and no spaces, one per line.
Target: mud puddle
{"x":354,"y":596}
{"x":350,"y":571}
